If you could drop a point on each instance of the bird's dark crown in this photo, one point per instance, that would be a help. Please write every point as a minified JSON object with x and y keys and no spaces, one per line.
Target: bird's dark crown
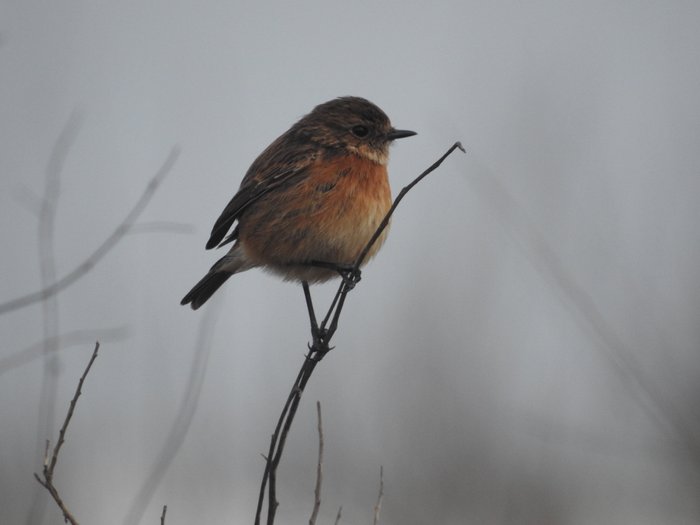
{"x":350,"y":123}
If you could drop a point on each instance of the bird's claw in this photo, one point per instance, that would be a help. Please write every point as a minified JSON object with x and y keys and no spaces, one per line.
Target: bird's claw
{"x":350,"y":277}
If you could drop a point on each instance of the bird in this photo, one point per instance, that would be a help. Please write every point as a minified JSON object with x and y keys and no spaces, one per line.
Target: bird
{"x":311,"y":201}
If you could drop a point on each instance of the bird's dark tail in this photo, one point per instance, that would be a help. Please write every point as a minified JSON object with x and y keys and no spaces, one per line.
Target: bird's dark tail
{"x":205,"y":288}
{"x":233,"y":262}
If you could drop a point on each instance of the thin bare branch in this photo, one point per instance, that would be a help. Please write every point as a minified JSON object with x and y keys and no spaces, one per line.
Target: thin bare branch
{"x":344,"y":287}
{"x":103,"y":249}
{"x":399,"y":197}
{"x":319,"y":468}
{"x":71,"y":409}
{"x":321,"y":337}
{"x":162,"y":516}
{"x":380,"y":497}
{"x":50,"y":464}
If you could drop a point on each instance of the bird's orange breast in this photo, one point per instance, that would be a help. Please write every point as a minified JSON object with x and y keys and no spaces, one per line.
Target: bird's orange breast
{"x":328,"y":215}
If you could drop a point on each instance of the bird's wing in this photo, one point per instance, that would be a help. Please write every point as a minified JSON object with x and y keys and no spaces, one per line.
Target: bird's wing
{"x":284,"y":161}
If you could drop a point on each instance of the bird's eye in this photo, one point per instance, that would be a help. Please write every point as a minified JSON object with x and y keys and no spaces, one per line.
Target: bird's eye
{"x":360,"y":131}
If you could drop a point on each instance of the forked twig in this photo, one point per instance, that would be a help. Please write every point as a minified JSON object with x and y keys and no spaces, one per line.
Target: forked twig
{"x":50,"y":464}
{"x":321,"y":337}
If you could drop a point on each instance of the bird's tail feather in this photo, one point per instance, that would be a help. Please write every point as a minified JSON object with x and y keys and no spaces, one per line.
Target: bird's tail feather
{"x":233,"y":262}
{"x":205,"y":288}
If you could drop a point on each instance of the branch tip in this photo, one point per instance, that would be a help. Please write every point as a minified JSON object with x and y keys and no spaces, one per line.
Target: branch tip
{"x":321,"y":335}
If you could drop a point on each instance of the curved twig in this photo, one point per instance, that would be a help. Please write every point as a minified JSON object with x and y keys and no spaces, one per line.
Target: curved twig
{"x":102,"y":250}
{"x":321,"y":337}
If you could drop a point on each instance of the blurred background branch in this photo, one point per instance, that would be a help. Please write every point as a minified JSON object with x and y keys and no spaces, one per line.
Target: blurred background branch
{"x":49,"y":305}
{"x":181,"y":424}
{"x":629,"y":369}
{"x":60,"y":342}
{"x":103,"y":249}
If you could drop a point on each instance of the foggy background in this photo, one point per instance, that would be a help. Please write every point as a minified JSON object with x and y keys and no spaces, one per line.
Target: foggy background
{"x":524,"y":349}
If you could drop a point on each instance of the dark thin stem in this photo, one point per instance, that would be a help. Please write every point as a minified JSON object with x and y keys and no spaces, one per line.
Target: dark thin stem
{"x":307,"y":369}
{"x":50,"y":464}
{"x":71,"y":409}
{"x":339,"y":308}
{"x":321,"y":337}
{"x":399,"y":197}
{"x":344,"y":289}
{"x":274,"y":440}
{"x":266,"y":475}
{"x":332,"y":307}
{"x":310,"y":308}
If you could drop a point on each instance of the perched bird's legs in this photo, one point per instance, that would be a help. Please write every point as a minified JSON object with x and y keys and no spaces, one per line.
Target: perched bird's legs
{"x":320,"y":343}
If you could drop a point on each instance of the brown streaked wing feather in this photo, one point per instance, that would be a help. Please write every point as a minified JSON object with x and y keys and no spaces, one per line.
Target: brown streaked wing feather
{"x":287,"y":158}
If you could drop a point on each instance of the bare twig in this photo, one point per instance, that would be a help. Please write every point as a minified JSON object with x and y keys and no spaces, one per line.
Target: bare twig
{"x":162,"y":516}
{"x":399,"y":197}
{"x":337,"y":517}
{"x":50,"y":463}
{"x":321,"y":337}
{"x":380,"y":496}
{"x":319,"y":468}
{"x":343,"y":289}
{"x":178,"y":430}
{"x":102,"y":250}
{"x":45,"y":209}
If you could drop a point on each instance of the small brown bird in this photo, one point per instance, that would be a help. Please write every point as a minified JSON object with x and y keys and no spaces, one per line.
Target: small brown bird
{"x":310,"y":202}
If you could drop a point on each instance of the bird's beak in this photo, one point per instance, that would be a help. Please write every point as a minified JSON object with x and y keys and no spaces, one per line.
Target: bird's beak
{"x":399,"y":134}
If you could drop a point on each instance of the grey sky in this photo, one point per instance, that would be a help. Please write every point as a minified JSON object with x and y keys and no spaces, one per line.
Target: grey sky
{"x":467,"y":363}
